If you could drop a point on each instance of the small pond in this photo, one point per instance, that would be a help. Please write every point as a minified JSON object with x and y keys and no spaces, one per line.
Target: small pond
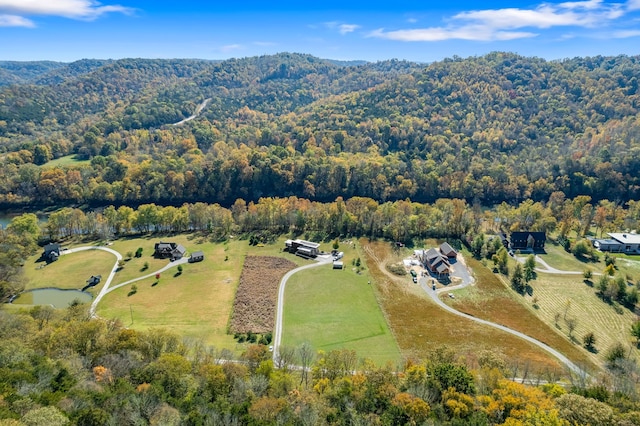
{"x":56,"y":297}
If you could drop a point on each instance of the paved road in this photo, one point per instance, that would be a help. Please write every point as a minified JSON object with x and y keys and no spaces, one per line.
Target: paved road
{"x":106,"y":287}
{"x":435,"y":296}
{"x":197,"y":113}
{"x":321,"y":260}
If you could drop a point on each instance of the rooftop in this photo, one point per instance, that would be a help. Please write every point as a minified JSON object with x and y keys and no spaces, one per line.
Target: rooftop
{"x":625,"y":237}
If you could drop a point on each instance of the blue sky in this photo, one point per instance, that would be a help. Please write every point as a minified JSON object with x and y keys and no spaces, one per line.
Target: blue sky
{"x":67,"y":30}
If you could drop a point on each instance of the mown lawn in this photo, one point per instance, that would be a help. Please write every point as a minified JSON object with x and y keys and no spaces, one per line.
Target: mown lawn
{"x":558,"y":258}
{"x":335,"y":309}
{"x":70,"y":271}
{"x":196,"y":303}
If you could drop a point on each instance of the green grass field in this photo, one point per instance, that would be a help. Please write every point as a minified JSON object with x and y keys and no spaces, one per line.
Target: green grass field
{"x":67,"y":160}
{"x":70,"y":271}
{"x":196,"y":303}
{"x":335,"y":309}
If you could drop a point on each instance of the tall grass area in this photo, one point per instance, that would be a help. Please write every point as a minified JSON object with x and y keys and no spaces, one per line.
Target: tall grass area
{"x":335,"y":309}
{"x":493,"y":300}
{"x":421,"y":326}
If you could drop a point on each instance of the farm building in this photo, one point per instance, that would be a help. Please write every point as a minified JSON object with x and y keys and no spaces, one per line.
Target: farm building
{"x":197,"y":256}
{"x":527,"y":240}
{"x":302,"y":248}
{"x":172,"y":251}
{"x":337,"y":264}
{"x":619,"y":243}
{"x":51,"y":252}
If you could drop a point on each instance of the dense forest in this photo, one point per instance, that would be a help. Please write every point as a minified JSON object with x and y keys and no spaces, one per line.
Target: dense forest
{"x":60,"y":368}
{"x":488,"y":129}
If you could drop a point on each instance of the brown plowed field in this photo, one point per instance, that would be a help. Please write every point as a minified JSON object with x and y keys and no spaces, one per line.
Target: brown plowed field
{"x":254,"y":308}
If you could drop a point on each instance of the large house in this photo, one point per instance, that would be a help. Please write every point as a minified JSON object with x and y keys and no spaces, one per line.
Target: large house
{"x":172,"y":251}
{"x":51,"y":252}
{"x":527,"y":240}
{"x":302,"y":248}
{"x":619,"y":243}
{"x":434,"y":261}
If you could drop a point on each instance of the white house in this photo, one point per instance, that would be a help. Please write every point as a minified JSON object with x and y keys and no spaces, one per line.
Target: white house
{"x":620,"y":242}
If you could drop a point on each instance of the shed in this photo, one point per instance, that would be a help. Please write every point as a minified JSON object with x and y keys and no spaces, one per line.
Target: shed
{"x":338,"y":264}
{"x":196,"y":256}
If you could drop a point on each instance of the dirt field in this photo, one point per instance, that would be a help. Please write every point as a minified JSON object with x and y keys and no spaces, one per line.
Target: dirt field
{"x":254,"y":308}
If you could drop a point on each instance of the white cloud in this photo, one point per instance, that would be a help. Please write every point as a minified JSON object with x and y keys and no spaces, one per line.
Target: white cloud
{"x":626,"y":34}
{"x":515,"y":23}
{"x":231,"y":47}
{"x":341,"y":27}
{"x":75,"y":9}
{"x":347,"y":28}
{"x":633,"y":4}
{"x":264,"y":43}
{"x":15,"y":21}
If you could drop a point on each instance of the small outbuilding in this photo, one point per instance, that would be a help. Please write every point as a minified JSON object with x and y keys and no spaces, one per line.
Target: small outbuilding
{"x":196,"y":256}
{"x":338,"y":264}
{"x":94,"y":280}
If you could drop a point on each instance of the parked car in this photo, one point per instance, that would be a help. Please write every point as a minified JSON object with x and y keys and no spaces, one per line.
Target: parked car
{"x":415,"y":280}
{"x":451,"y":296}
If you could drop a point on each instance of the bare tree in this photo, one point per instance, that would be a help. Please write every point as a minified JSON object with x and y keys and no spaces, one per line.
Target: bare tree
{"x":286,"y":357}
{"x":306,"y":355}
{"x":571,"y":325}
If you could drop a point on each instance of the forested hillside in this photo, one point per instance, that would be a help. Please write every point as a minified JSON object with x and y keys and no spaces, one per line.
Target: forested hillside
{"x":488,"y":129}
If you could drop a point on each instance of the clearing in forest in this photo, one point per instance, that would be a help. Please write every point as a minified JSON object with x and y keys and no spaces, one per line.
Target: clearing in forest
{"x":254,"y":308}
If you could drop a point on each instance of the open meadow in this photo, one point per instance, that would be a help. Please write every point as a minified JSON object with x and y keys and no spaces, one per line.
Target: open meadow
{"x":196,"y":303}
{"x":420,"y":326}
{"x":335,"y":309}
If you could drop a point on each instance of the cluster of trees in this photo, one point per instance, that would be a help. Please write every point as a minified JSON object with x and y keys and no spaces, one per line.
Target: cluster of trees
{"x":61,"y":367}
{"x":489,"y":129}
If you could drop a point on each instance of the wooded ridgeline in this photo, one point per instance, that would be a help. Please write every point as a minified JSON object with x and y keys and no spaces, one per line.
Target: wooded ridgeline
{"x":495,"y":128}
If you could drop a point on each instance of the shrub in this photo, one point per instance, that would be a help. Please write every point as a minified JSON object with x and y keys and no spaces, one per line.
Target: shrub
{"x":397,"y":269}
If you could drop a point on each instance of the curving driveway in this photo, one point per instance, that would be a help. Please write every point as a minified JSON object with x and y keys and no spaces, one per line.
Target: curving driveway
{"x":434,"y":295}
{"x":106,"y":287}
{"x":321,"y":260}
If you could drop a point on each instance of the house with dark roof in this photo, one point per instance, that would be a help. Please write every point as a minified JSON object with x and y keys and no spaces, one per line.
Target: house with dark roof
{"x":171,"y":251}
{"x":527,"y":240}
{"x":51,"y":252}
{"x":448,"y":251}
{"x":435,"y":262}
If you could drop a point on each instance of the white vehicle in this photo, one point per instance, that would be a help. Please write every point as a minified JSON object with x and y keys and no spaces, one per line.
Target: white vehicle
{"x":338,"y":255}
{"x":451,"y":296}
